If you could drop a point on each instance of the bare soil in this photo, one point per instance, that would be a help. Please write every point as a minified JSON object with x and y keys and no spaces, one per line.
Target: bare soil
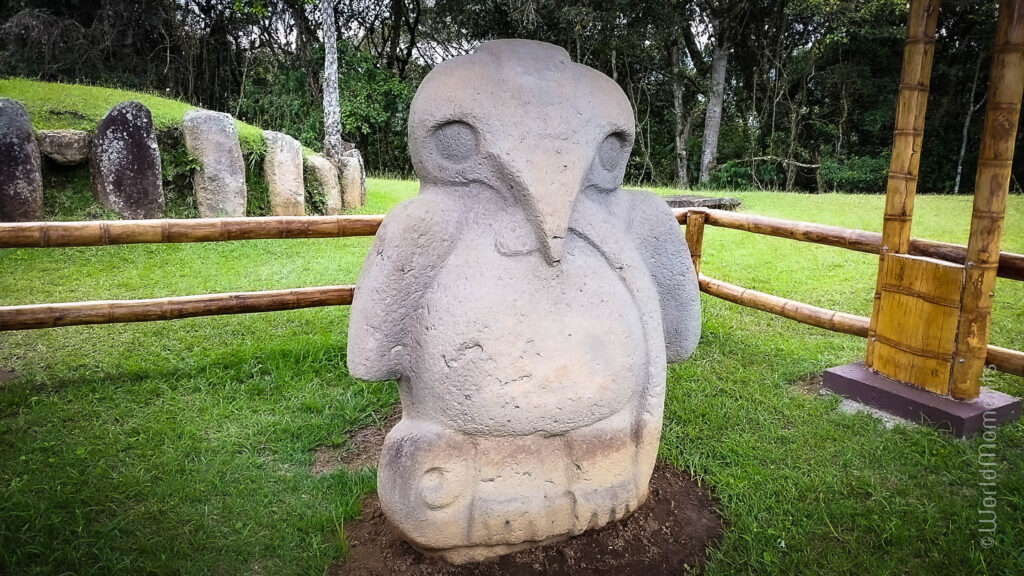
{"x":8,"y":375}
{"x":361,"y":451}
{"x":668,"y":534}
{"x":810,"y":384}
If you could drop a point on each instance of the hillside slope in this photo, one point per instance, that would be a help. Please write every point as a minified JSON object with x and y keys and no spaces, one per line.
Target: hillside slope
{"x":55,"y":106}
{"x":67,"y":193}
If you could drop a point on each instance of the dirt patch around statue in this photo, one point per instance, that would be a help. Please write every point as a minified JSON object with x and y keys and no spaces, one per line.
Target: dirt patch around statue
{"x":668,"y":534}
{"x":361,"y":450}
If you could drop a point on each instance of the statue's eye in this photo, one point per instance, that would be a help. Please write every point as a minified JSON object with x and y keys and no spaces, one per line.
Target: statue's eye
{"x":455,"y":142}
{"x":612,"y":151}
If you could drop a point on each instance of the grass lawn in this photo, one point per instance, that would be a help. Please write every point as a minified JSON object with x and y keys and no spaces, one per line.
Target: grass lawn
{"x":184,"y":447}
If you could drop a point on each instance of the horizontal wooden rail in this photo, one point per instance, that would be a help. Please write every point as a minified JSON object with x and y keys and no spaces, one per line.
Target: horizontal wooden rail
{"x":108,"y":232}
{"x":114,"y":311}
{"x":1002,"y":359}
{"x":102,"y":233}
{"x":1005,"y":360}
{"x":1011,"y":265}
{"x":112,"y":232}
{"x":792,"y":309}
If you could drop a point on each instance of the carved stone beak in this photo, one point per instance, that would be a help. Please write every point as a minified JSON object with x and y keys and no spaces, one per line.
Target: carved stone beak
{"x":552,"y":181}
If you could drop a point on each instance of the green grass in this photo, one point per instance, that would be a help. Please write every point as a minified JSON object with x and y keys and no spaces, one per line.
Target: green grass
{"x":183,"y":447}
{"x":54,"y":106}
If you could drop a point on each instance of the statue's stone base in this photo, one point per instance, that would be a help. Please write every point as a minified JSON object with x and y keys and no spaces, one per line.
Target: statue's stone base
{"x":672,"y":533}
{"x":856,"y":382}
{"x":475,"y":554}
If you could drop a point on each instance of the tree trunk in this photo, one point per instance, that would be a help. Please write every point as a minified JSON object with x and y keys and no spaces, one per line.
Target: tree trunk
{"x":794,"y":124}
{"x":684,"y":157}
{"x":334,"y":146}
{"x":713,"y":118}
{"x":971,"y":109}
{"x":397,"y":11}
{"x":817,"y":176}
{"x":844,"y":105}
{"x":682,"y":134}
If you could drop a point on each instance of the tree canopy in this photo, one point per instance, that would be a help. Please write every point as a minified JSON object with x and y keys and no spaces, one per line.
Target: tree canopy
{"x":805,"y":90}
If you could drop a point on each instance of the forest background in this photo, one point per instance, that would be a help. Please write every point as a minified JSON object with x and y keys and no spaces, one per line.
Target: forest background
{"x":764,"y":94}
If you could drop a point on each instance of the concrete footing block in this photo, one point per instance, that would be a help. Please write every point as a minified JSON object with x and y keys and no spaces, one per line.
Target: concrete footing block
{"x":857,"y":382}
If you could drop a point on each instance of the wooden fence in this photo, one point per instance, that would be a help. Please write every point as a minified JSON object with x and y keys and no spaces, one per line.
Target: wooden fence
{"x":69,"y":234}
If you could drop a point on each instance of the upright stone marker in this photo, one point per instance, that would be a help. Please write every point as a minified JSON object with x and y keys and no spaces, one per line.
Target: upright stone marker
{"x":526,"y":304}
{"x":325,"y":175}
{"x":282,"y":167}
{"x":21,"y":179}
{"x":125,"y":163}
{"x":353,"y":179}
{"x":220,"y":181}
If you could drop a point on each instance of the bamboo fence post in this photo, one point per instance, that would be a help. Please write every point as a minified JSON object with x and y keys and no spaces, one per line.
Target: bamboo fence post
{"x":918,"y":51}
{"x":695,"y":236}
{"x":991,"y":186}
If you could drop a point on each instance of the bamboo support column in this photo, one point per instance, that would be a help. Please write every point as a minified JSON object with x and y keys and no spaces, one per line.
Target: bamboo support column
{"x":991,"y":186}
{"x":901,"y":185}
{"x":695,"y":237}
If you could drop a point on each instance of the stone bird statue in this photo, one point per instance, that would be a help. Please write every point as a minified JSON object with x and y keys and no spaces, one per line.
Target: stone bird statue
{"x":527,"y":306}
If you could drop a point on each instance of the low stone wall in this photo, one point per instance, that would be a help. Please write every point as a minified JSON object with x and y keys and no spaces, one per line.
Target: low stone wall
{"x":128,"y":166}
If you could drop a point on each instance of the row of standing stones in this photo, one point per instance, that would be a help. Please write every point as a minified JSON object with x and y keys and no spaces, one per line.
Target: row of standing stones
{"x":126,"y":174}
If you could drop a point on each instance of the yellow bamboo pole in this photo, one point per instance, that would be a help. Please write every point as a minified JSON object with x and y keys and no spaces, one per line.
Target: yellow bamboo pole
{"x":991,"y":186}
{"x":109,"y":232}
{"x":1002,"y":359}
{"x":36,"y":316}
{"x":1011,"y":265}
{"x":792,"y":309}
{"x":918,"y":51}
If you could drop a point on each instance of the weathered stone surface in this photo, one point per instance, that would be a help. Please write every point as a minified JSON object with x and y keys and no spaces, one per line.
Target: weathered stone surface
{"x":325,"y":175}
{"x":527,"y":305}
{"x":125,"y":163}
{"x":21,"y":179}
{"x":282,"y":168}
{"x":67,"y":147}
{"x":691,"y":201}
{"x":353,"y":179}
{"x":220,"y":181}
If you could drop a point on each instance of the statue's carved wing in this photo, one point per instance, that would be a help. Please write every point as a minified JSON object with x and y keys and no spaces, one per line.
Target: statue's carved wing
{"x":659,"y":240}
{"x":412,"y":245}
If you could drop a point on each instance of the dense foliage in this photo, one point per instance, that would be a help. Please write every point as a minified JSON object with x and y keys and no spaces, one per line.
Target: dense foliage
{"x":807,"y":101}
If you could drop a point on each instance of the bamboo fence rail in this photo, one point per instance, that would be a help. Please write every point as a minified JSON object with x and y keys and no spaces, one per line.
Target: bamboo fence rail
{"x":1011,"y":266}
{"x":1002,"y":359}
{"x":106,"y":233}
{"x":1005,"y":360}
{"x":115,"y":232}
{"x":63,"y":234}
{"x":792,"y":309}
{"x":114,"y":311}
